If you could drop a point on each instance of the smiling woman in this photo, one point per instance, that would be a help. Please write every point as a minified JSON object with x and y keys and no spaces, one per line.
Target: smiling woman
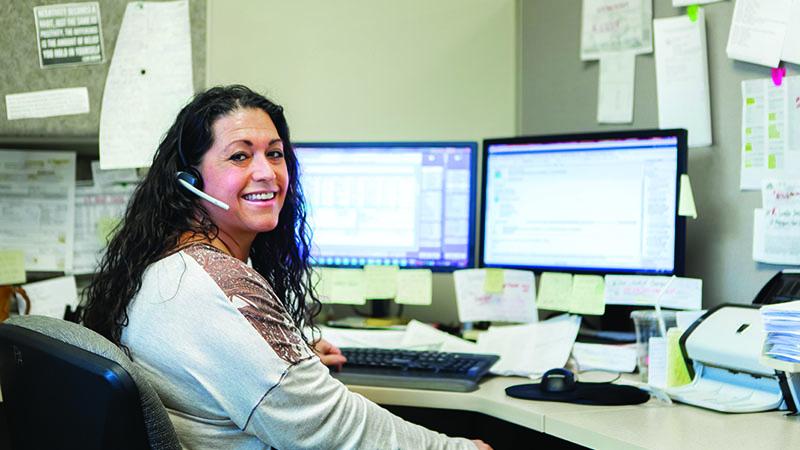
{"x":221,"y":340}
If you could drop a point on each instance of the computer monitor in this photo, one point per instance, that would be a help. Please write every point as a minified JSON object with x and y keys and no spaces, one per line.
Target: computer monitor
{"x":409,"y":204}
{"x":584,"y":203}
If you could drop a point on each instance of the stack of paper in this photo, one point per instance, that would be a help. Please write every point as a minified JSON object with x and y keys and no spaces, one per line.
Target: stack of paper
{"x":782,"y":328}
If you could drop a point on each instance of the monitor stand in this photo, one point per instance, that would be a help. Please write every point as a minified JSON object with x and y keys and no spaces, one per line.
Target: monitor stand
{"x":379,"y":317}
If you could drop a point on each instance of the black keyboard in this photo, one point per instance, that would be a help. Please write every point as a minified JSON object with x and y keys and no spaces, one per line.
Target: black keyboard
{"x":441,"y":371}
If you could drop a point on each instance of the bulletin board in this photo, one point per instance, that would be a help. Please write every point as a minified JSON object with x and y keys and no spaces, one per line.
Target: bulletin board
{"x":22,"y":73}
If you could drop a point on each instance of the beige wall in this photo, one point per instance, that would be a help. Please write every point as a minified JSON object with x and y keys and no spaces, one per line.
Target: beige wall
{"x":366,"y":70}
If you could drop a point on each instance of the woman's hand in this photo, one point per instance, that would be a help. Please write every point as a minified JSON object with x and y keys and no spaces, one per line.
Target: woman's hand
{"x":329,"y":354}
{"x":481,"y":445}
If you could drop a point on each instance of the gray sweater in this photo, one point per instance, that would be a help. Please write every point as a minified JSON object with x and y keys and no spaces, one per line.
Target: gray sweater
{"x":233,"y":371}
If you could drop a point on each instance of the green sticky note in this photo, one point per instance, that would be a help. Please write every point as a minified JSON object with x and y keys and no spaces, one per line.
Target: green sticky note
{"x":105,"y":228}
{"x":751,"y":101}
{"x":748,"y":131}
{"x":494,"y":281}
{"x":773,"y":132}
{"x":12,"y":267}
{"x":380,"y":281}
{"x":587,"y":295}
{"x":677,"y":373}
{"x":772,"y":162}
{"x":343,"y":286}
{"x":414,"y":287}
{"x":772,"y":116}
{"x":748,"y":147}
{"x":555,"y":290}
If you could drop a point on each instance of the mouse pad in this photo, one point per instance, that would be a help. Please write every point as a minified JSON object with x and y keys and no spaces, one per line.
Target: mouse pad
{"x":584,"y":393}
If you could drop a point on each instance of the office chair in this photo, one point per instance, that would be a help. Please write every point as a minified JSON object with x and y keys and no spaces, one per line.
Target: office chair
{"x":65,"y":386}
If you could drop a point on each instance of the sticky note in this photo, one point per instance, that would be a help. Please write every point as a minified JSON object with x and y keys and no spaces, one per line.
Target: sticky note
{"x":751,"y":101}
{"x":588,"y":293}
{"x":414,"y":287}
{"x":677,"y":373}
{"x":380,"y":281}
{"x":686,"y":199}
{"x":773,"y":132}
{"x":555,"y":290}
{"x":772,"y":116}
{"x":748,"y":147}
{"x":494,"y":281}
{"x":772,"y":162}
{"x":12,"y":267}
{"x":342,"y":286}
{"x":105,"y":228}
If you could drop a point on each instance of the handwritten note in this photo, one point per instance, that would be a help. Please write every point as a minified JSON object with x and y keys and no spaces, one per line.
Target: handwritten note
{"x":414,"y":287}
{"x":779,"y":193}
{"x":643,"y":290}
{"x":616,"y":25}
{"x":12,"y":267}
{"x":516,"y":303}
{"x":495,"y":279}
{"x":587,"y":296}
{"x":380,"y":281}
{"x":341,"y":286}
{"x":776,"y":235}
{"x":615,"y":88}
{"x":555,"y":291}
{"x":757,"y":31}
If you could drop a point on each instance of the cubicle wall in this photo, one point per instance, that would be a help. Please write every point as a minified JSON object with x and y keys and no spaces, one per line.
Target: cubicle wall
{"x":558,"y":93}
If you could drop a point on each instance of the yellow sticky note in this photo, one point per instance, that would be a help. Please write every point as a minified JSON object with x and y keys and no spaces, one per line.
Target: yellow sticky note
{"x":105,"y":228}
{"x":773,"y":132}
{"x":494,"y":281}
{"x":380,"y":281}
{"x":12,"y":267}
{"x":414,"y":287}
{"x":751,"y":101}
{"x":772,"y":162}
{"x":677,"y":373}
{"x":686,"y":199}
{"x":342,"y":286}
{"x":555,"y":290}
{"x":588,"y":295}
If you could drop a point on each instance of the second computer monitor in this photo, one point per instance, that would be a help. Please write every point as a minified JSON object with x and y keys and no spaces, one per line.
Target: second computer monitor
{"x":390,"y":203}
{"x":597,"y":203}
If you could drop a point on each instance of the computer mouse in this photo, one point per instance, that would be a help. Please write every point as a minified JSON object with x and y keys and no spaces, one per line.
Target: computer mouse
{"x":558,"y":380}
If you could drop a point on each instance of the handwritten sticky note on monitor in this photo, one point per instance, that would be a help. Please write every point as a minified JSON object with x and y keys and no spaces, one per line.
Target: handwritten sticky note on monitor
{"x":555,"y":291}
{"x":380,"y":281}
{"x":516,"y":302}
{"x":342,"y":286}
{"x":12,"y":267}
{"x":587,"y":295}
{"x":414,"y":287}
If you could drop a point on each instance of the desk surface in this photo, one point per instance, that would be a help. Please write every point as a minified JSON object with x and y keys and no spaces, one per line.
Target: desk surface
{"x":652,"y":425}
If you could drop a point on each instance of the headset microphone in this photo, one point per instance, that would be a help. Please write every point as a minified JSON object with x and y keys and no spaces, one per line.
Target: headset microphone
{"x":188,"y":181}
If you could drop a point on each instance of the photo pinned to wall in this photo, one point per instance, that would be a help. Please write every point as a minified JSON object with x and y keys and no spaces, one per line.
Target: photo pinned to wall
{"x":69,"y":34}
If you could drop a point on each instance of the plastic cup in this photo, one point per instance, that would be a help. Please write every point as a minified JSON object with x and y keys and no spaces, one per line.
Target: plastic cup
{"x":646,"y":324}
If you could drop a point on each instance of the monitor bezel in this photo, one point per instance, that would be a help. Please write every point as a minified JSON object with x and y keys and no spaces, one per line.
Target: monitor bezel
{"x":680,"y":221}
{"x":473,"y":164}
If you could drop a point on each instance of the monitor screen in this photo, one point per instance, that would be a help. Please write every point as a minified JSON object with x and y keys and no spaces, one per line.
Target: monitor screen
{"x":390,"y":203}
{"x":595,"y":203}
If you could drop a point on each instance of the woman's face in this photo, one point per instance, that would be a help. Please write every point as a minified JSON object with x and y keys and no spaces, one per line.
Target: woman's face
{"x":245,"y":168}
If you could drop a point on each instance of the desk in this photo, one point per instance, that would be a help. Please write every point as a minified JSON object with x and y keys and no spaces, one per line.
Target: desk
{"x":651,"y":425}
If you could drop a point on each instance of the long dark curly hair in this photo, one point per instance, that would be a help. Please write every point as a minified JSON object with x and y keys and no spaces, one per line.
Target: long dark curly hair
{"x":160,"y":212}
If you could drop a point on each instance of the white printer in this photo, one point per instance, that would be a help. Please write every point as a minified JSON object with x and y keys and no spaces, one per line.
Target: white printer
{"x":722,"y":350}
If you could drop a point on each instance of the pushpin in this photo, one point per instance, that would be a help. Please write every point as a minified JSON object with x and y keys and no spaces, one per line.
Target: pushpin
{"x":691,"y":10}
{"x":777,"y":75}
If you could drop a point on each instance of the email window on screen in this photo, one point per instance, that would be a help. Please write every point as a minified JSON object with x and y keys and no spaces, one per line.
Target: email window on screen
{"x":563,"y":205}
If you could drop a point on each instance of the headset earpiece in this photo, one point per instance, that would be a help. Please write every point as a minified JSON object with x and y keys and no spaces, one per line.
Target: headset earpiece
{"x":191,"y":176}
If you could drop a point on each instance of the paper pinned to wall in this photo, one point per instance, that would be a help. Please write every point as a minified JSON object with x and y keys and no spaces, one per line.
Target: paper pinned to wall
{"x":38,"y":205}
{"x":616,"y":25}
{"x":149,"y":80}
{"x":12,"y":267}
{"x":98,"y":209}
{"x":776,"y":235}
{"x":757,"y":31}
{"x":615,"y":87}
{"x":414,"y":287}
{"x":47,"y":103}
{"x":643,"y":290}
{"x":770,"y":131}
{"x":779,"y":193}
{"x":517,"y":302}
{"x":51,"y":297}
{"x":791,"y":43}
{"x":682,"y":76}
{"x":102,"y":177}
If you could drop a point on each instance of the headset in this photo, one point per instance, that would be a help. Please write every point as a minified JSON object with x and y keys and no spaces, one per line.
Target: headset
{"x":191,"y":179}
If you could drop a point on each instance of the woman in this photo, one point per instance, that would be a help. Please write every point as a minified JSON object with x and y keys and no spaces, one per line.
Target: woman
{"x":223,"y":342}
